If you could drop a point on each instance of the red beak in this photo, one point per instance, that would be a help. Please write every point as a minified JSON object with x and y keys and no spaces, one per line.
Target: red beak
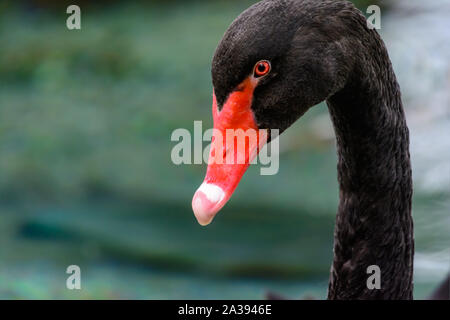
{"x":236,"y":142}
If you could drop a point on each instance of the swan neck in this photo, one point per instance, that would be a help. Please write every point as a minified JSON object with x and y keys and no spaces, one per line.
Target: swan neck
{"x":373,"y":223}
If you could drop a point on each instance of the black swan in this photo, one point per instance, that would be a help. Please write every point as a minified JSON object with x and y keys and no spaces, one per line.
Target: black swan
{"x":278,"y":59}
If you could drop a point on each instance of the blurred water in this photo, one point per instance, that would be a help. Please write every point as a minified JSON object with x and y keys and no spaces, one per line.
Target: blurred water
{"x":85,"y":123}
{"x":417,"y":34}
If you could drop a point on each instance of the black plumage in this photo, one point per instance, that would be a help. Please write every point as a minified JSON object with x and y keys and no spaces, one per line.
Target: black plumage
{"x":323,"y":50}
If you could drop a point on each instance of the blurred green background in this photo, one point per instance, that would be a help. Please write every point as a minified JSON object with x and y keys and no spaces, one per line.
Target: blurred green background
{"x":86,"y":176}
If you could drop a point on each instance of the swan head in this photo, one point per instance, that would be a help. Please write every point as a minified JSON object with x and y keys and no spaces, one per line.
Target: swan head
{"x":275,"y":61}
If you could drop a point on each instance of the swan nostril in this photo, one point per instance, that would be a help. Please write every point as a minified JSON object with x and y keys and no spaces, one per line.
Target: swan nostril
{"x":225,"y":151}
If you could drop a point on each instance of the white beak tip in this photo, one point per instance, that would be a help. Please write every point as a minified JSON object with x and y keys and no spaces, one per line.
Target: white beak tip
{"x":206,"y":202}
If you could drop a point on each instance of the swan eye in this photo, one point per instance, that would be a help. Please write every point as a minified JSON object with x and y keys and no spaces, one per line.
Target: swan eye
{"x":262,"y":68}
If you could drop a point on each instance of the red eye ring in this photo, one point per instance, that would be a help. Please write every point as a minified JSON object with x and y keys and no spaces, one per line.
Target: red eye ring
{"x":262,"y":68}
